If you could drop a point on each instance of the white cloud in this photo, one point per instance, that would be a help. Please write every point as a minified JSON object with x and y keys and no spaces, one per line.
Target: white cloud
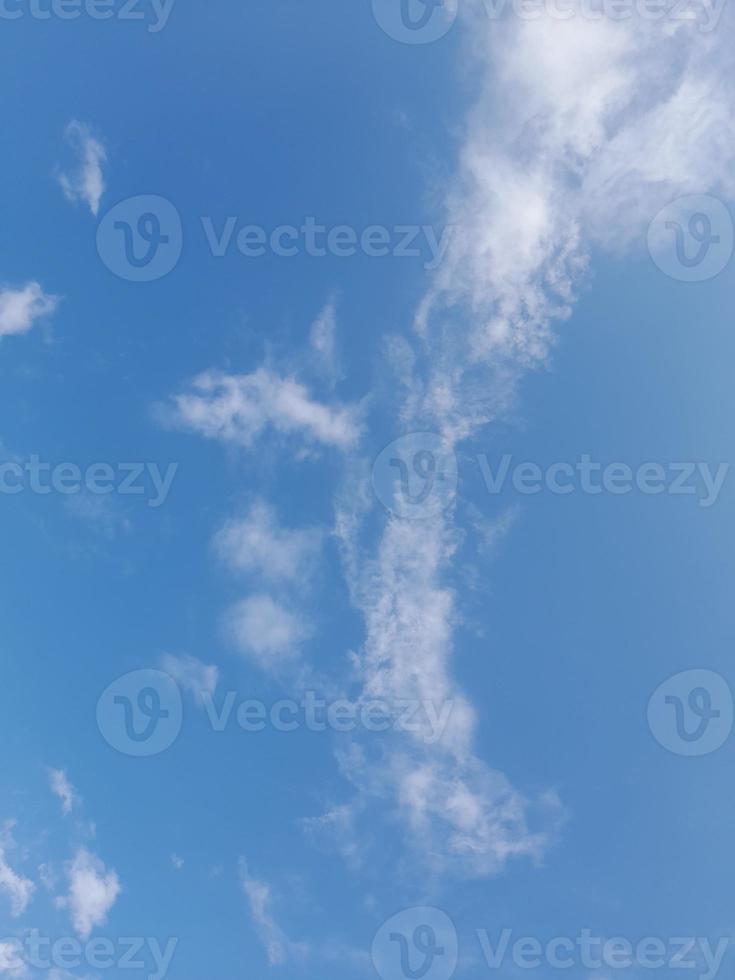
{"x":268,"y":628}
{"x":241,"y":407}
{"x":257,"y":544}
{"x":493,"y":532}
{"x":12,"y":964}
{"x":581,"y":130}
{"x":458,"y":813}
{"x":265,"y":630}
{"x":277,"y":945}
{"x":47,"y":876}
{"x":61,"y":786}
{"x":19,"y":890}
{"x":20,"y":308}
{"x":177,"y":862}
{"x":92,"y":892}
{"x":86,"y":181}
{"x":323,"y":340}
{"x":196,"y":677}
{"x":336,"y":827}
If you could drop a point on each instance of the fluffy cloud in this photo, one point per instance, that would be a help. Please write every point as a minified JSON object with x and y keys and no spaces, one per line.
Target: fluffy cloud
{"x":85,"y":182}
{"x":19,"y":890}
{"x":61,"y":786}
{"x":265,"y":630}
{"x":238,"y":408}
{"x":257,"y":544}
{"x":193,"y":675}
{"x":92,"y":892}
{"x":12,"y":964}
{"x":269,"y":627}
{"x":20,"y":308}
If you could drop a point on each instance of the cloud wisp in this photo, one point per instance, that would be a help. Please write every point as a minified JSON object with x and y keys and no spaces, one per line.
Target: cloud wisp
{"x":61,"y":787}
{"x":278,"y":946}
{"x":581,"y":130}
{"x":85,"y":180}
{"x":240,"y":408}
{"x":190,"y":673}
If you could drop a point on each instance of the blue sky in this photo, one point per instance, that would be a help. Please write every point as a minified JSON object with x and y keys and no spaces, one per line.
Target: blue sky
{"x":298,"y":455}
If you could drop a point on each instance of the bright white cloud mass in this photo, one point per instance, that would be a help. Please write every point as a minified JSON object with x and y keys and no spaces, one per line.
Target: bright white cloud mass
{"x":21,"y":307}
{"x":93,"y":890}
{"x":12,"y":964}
{"x":266,"y":630}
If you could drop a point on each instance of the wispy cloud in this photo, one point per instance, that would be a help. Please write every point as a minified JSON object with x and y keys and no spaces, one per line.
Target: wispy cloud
{"x":21,"y":307}
{"x":190,"y":673}
{"x":61,"y":787}
{"x":323,"y":340}
{"x":568,"y":145}
{"x":19,"y":890}
{"x":239,"y":408}
{"x":459,"y":814}
{"x":85,"y":180}
{"x":260,"y":901}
